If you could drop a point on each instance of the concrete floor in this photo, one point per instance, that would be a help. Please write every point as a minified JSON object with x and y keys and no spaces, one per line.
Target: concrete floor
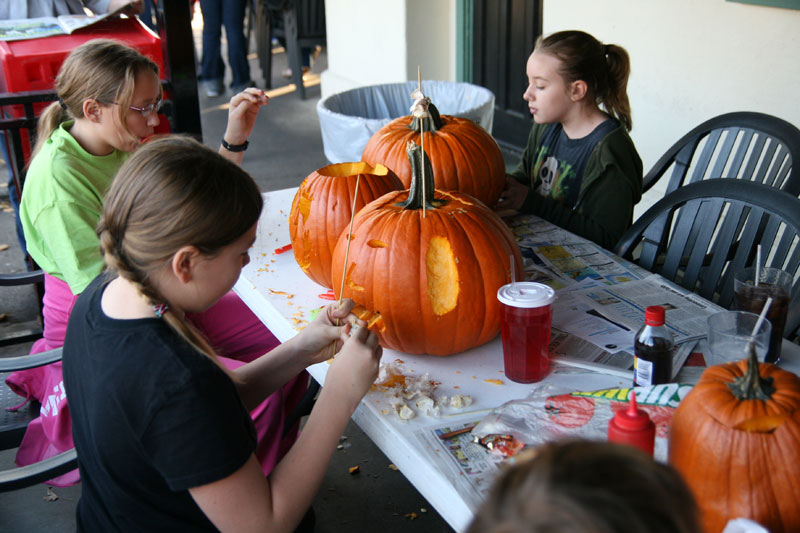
{"x":285,"y":146}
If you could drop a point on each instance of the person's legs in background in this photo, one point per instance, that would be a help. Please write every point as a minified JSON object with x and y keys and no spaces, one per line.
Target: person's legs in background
{"x":306,"y":55}
{"x":233,"y":20}
{"x":212,"y":70}
{"x":147,"y":15}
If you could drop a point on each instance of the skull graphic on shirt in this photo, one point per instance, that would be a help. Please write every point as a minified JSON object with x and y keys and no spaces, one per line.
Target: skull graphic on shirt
{"x":548,"y":172}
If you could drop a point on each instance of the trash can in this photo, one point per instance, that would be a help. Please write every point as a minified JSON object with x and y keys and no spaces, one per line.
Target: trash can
{"x":348,"y":119}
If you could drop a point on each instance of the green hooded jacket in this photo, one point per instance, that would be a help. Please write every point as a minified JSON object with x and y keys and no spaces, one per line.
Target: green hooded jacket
{"x":611,"y":186}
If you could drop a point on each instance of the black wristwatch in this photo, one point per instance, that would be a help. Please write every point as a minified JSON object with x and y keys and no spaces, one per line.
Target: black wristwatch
{"x":235,"y":147}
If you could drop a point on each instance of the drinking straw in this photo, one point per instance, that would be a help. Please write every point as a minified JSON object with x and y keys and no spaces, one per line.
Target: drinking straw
{"x":761,"y":317}
{"x":514,"y":289}
{"x":751,"y":343}
{"x":758,"y":265}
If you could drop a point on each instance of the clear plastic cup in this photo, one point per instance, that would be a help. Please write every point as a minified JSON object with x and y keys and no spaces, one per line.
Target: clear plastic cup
{"x":526,"y":313}
{"x":729,"y":334}
{"x":773,"y":283}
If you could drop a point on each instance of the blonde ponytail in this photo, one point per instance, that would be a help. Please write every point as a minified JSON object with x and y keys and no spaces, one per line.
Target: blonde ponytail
{"x":48,"y":121}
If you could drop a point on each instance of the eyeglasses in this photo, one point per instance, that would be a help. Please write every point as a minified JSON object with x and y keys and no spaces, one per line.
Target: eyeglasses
{"x":148,"y":110}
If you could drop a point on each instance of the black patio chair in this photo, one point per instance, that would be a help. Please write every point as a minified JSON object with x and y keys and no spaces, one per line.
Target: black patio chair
{"x":301,"y":24}
{"x":18,"y":125}
{"x":716,"y":226}
{"x":745,"y":145}
{"x":14,"y":423}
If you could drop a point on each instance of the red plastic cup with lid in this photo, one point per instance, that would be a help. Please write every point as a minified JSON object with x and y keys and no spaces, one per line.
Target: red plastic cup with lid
{"x":526,"y":313}
{"x":633,"y":426}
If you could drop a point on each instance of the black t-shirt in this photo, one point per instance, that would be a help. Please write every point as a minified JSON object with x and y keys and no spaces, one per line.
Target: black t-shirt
{"x":151,"y":418}
{"x":560,"y":161}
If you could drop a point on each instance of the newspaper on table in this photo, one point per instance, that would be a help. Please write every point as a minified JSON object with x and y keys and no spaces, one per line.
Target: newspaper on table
{"x":35,"y":28}
{"x":470,"y":467}
{"x":685,"y":312}
{"x":548,"y":413}
{"x":601,"y":300}
{"x":549,"y":251}
{"x":571,"y":350}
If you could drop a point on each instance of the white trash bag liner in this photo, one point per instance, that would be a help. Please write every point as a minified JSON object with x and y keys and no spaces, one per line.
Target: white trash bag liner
{"x":348,"y":119}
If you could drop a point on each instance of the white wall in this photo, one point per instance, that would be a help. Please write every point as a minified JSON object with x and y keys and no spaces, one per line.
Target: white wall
{"x":692,"y":60}
{"x":383,"y":41}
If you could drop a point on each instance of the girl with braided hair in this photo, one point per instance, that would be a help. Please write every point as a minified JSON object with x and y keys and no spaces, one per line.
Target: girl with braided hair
{"x":108,"y":100}
{"x":161,"y":427}
{"x":580,"y":169}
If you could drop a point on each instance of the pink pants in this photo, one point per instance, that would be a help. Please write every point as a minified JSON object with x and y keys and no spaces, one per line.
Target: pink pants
{"x":230,"y":327}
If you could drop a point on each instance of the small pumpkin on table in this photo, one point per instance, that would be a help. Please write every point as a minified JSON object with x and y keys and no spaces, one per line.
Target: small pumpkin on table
{"x":736,"y":440}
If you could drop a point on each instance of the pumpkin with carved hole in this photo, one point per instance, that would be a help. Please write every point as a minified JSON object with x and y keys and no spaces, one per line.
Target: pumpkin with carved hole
{"x":426,"y":280}
{"x":321,"y":211}
{"x":464,"y":156}
{"x":736,"y":440}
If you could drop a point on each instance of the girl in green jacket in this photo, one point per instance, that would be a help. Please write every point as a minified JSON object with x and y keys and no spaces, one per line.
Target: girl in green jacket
{"x":580,"y":169}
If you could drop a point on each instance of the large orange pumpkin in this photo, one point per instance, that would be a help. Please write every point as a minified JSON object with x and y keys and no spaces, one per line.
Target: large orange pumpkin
{"x":321,"y":210}
{"x":736,"y":440}
{"x":431,"y":276}
{"x":464,"y":156}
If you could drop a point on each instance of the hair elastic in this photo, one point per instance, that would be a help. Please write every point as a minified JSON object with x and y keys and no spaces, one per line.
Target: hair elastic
{"x":160,"y":309}
{"x":62,"y":104}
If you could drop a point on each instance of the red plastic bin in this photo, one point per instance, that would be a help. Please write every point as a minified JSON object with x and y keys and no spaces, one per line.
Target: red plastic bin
{"x":33,"y":64}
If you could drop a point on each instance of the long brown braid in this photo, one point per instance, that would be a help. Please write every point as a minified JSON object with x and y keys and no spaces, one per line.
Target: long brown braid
{"x":171,"y":193}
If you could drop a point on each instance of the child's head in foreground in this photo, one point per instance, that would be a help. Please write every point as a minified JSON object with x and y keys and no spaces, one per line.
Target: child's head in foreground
{"x":588,"y":486}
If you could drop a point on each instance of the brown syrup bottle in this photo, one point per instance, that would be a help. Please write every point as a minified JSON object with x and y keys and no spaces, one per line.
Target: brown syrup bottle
{"x":652,"y":350}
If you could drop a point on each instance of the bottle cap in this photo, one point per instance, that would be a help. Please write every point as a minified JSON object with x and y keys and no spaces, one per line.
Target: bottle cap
{"x":654,"y":315}
{"x":632,"y":418}
{"x":526,"y":294}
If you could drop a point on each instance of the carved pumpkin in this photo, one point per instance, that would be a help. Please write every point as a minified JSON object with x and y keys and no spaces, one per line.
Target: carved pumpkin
{"x":427,"y":279}
{"x":464,"y":156}
{"x":321,"y":210}
{"x":736,"y":440}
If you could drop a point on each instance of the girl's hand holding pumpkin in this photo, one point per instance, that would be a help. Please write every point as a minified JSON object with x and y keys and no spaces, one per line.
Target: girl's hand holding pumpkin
{"x":327,"y":333}
{"x":356,"y":366}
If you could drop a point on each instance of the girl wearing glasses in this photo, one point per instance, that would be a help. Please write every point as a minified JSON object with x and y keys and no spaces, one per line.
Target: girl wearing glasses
{"x":108,"y":101}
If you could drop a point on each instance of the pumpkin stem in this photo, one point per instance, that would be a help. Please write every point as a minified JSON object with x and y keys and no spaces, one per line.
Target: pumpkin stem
{"x":752,"y":386}
{"x":415,"y":155}
{"x":432,"y":122}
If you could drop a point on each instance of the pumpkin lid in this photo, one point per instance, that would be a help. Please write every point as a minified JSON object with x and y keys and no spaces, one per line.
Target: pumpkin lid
{"x":526,"y":294}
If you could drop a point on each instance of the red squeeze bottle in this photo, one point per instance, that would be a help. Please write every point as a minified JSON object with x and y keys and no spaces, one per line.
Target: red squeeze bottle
{"x":632,"y":426}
